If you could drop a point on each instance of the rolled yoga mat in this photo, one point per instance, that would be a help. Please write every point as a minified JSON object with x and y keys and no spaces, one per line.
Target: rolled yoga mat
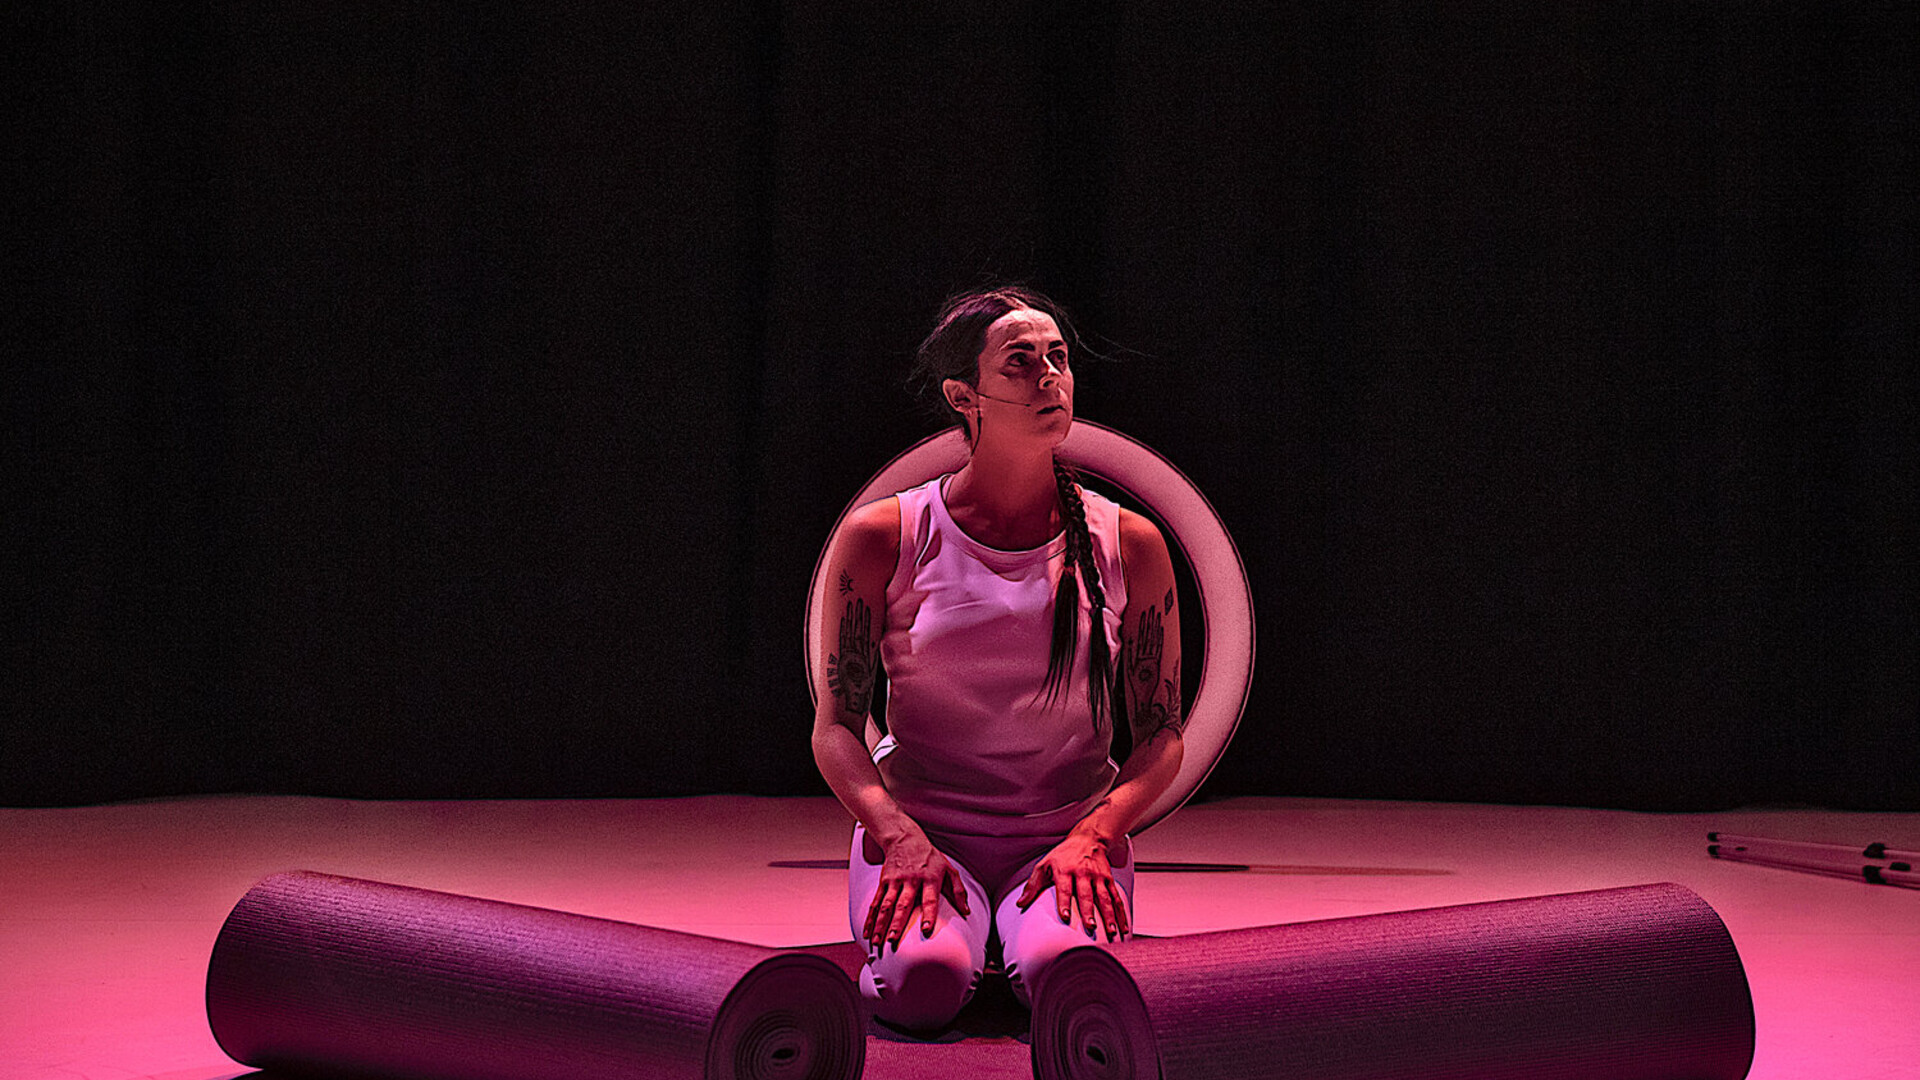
{"x":321,"y":975}
{"x":1640,"y":983}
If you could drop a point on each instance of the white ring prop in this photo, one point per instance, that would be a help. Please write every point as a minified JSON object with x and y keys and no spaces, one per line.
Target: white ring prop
{"x":1226,"y":599}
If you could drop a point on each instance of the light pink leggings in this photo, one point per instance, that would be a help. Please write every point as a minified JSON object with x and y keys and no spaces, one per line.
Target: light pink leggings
{"x":922,"y":983}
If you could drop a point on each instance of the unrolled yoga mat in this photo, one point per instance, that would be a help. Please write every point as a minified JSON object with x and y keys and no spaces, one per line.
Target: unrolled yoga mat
{"x":1639,"y":983}
{"x":316,"y":974}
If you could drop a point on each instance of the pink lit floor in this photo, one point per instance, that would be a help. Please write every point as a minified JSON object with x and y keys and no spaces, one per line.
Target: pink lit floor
{"x":107,"y":913}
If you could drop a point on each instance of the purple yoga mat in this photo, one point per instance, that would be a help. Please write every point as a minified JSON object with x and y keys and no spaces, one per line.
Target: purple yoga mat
{"x":316,"y":974}
{"x":1639,"y":983}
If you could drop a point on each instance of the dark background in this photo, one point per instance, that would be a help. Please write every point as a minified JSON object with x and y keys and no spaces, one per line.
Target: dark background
{"x":411,"y":401}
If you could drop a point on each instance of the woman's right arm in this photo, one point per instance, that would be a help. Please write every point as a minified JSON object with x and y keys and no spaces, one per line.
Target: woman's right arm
{"x":846,"y":661}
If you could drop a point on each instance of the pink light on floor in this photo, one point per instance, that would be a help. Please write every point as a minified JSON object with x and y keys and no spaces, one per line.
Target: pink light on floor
{"x":108,"y":914}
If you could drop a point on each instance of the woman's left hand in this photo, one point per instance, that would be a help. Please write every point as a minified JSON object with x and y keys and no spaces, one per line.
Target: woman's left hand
{"x":1078,"y":869}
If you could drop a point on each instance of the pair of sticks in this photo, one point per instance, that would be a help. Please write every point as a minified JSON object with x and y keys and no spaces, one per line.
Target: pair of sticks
{"x":1874,"y":863}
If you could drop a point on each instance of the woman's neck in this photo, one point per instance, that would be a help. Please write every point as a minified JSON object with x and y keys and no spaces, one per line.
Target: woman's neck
{"x":1006,"y":500}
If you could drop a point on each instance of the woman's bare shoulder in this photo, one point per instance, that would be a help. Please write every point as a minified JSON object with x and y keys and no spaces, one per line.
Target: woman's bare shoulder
{"x":1141,"y":540}
{"x":871,"y":532}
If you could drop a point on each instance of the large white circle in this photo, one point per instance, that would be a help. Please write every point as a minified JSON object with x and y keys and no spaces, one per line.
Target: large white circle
{"x":1226,"y":599}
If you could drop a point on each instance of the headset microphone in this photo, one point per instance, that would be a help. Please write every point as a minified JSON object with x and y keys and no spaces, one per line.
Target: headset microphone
{"x":1004,"y":401}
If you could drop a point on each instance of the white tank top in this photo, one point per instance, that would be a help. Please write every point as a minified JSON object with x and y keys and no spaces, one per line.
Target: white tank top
{"x":972,"y":745}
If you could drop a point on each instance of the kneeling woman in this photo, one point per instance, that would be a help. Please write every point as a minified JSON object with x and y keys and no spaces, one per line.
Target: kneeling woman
{"x":1018,"y":616}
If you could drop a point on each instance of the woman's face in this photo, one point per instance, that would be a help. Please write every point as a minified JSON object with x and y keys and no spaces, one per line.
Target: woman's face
{"x":1024,"y":384}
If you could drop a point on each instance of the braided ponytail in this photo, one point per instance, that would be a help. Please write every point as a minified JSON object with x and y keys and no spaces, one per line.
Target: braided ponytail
{"x":1066,"y":605}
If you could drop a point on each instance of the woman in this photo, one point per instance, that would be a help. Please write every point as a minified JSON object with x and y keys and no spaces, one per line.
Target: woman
{"x":997,"y":598}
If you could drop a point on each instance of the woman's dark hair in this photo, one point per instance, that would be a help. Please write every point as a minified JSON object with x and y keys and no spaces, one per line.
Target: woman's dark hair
{"x":952,"y":351}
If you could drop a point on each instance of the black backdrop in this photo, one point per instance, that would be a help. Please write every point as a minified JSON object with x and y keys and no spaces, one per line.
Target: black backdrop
{"x":411,"y":401}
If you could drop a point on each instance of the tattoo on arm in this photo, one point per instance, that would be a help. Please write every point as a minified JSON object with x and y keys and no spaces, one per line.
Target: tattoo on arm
{"x":1177,"y":707}
{"x":1154,"y":693}
{"x":850,"y":672}
{"x":1149,"y":642}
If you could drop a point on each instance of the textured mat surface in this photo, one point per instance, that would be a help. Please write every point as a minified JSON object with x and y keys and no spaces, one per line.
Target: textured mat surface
{"x":1637,"y":983}
{"x":314,"y":973}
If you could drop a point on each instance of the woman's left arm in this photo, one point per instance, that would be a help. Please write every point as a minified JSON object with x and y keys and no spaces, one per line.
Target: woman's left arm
{"x":1149,"y":674}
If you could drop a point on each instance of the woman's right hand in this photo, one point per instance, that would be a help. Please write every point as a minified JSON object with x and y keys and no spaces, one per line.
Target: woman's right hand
{"x":913,"y":877}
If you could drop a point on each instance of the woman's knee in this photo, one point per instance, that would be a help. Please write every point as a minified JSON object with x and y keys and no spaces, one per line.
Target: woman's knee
{"x":921,"y":983}
{"x":1033,"y":938}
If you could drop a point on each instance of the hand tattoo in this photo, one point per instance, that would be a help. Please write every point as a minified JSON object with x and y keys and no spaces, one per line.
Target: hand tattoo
{"x":1178,"y":716}
{"x":1156,"y":698}
{"x":850,"y":672}
{"x":1149,"y":641}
